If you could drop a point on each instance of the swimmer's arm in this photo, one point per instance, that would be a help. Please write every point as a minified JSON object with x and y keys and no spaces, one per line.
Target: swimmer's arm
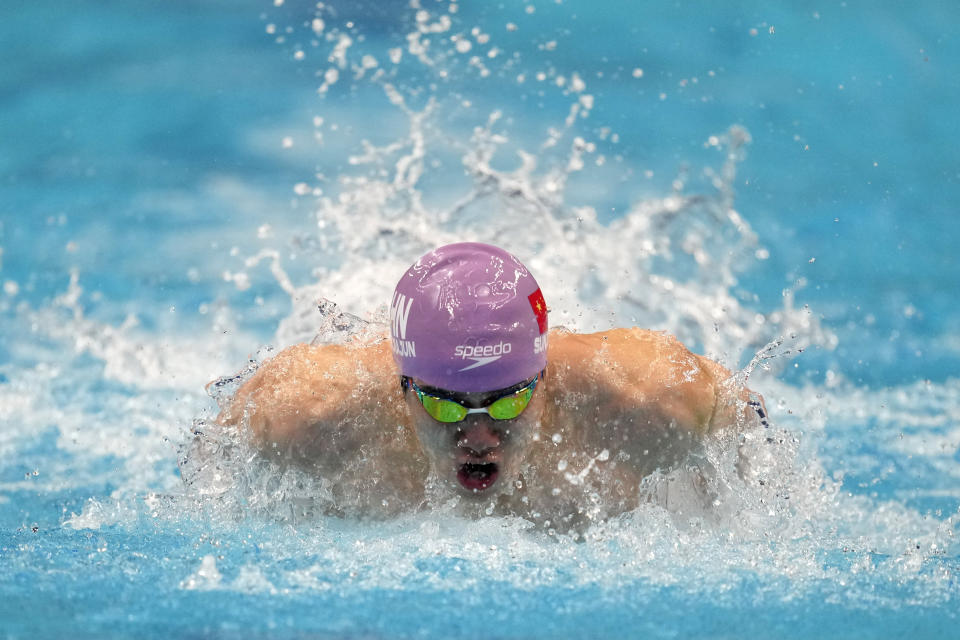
{"x":735,"y":406}
{"x":639,"y":395}
{"x":296,"y":402}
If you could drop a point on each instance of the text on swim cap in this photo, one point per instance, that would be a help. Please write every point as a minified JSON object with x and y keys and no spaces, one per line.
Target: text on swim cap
{"x":540,"y":344}
{"x":465,"y":351}
{"x":404,"y":348}
{"x":400,"y":314}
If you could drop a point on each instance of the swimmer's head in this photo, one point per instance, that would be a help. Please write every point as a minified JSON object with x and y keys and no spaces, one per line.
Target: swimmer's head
{"x":468,"y":317}
{"x":472,"y":450}
{"x":468,"y":331}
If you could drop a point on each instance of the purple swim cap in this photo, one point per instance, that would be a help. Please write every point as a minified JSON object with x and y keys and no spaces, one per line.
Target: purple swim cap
{"x":468,"y":317}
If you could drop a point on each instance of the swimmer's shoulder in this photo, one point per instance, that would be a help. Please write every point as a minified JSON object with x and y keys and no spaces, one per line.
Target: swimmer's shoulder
{"x":303,"y":367}
{"x":643,"y":372}
{"x":307,"y":385}
{"x":702,"y":393}
{"x":636,"y":350}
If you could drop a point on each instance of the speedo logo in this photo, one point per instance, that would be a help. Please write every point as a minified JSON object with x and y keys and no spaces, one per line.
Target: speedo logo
{"x":481,"y":355}
{"x":464,"y":351}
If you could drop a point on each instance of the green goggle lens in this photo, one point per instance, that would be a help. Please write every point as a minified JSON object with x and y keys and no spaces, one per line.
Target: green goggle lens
{"x":505,"y":408}
{"x":511,"y":406}
{"x":443,"y":410}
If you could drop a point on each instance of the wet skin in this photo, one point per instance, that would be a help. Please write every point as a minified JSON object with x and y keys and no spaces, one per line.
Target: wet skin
{"x":614,"y":407}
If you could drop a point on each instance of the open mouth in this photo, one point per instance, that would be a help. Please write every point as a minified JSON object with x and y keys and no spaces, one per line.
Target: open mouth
{"x":477,"y":477}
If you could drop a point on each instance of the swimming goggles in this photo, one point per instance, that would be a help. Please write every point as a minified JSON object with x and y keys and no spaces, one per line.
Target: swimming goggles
{"x":506,"y":407}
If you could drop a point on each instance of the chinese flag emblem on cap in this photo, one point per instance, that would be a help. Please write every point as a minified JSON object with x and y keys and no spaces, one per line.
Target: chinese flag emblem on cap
{"x":539,"y":307}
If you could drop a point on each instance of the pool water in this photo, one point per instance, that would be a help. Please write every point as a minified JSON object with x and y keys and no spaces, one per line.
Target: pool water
{"x":181,"y":183}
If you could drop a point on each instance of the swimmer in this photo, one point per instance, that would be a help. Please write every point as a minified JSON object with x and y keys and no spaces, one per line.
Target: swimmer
{"x":472,"y":399}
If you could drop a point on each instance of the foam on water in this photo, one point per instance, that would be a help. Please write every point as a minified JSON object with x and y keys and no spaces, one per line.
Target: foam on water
{"x":820,"y":508}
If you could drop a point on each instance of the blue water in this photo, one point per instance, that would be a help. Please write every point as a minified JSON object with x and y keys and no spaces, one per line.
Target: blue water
{"x":149,"y":149}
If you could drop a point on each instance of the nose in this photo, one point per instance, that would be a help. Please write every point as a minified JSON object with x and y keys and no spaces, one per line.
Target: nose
{"x":478,"y":437}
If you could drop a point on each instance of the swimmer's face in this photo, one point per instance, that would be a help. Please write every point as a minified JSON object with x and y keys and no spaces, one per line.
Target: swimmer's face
{"x":478,"y":455}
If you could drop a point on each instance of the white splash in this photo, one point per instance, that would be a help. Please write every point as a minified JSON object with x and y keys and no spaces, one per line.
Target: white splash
{"x":670,"y":262}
